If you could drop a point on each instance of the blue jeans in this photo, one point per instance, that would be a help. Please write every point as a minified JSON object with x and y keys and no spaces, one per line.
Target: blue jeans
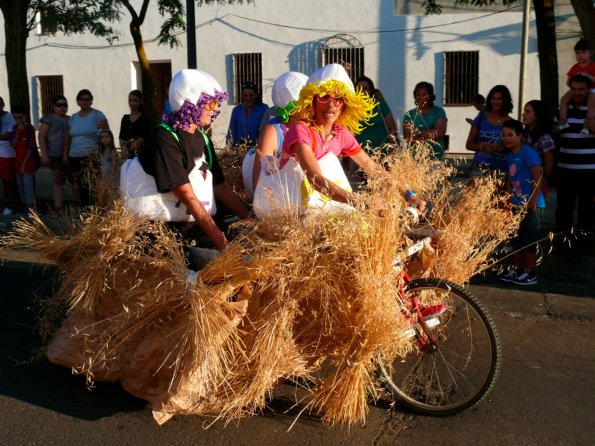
{"x":26,"y":185}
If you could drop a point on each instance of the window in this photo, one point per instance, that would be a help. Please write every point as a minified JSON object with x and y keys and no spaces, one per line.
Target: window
{"x":247,"y":67}
{"x":347,"y":51}
{"x":47,"y":88}
{"x":461,"y":77}
{"x":47,"y":21}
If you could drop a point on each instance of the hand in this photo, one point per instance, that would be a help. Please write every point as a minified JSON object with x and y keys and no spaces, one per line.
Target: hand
{"x":22,"y":169}
{"x":417,"y":203}
{"x":45,"y":160}
{"x":65,"y":160}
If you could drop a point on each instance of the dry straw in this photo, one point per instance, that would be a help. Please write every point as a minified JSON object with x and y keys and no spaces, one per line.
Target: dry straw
{"x":291,"y":293}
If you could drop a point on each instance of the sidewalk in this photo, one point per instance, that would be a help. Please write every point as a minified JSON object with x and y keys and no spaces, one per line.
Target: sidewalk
{"x":554,"y":266}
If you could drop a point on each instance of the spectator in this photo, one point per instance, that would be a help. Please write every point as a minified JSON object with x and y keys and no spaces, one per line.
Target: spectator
{"x":52,"y":137}
{"x":246,"y":117}
{"x":538,"y":125}
{"x":107,"y":151}
{"x":427,"y":122}
{"x":583,"y":51}
{"x":134,"y":127}
{"x":7,"y":155}
{"x":381,"y":128}
{"x":576,"y":168}
{"x":479,"y":103}
{"x":485,"y":135}
{"x":524,"y":178}
{"x":81,"y":143}
{"x":25,"y":146}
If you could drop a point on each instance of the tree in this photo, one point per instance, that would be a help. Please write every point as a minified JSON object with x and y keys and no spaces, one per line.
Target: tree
{"x":585,"y":11}
{"x":19,"y":20}
{"x":96,"y":17}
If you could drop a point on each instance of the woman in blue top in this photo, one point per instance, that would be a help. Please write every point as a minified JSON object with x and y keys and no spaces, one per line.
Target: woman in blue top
{"x":246,"y":117}
{"x":81,"y":143}
{"x":427,"y":122}
{"x":485,"y":135}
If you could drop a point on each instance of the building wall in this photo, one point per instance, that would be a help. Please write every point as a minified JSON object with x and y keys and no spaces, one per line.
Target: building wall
{"x":400,"y":50}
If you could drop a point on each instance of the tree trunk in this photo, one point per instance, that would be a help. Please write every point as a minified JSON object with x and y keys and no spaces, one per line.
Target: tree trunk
{"x":15,"y":36}
{"x":149,"y":92}
{"x":585,"y":11}
{"x":545,"y":20}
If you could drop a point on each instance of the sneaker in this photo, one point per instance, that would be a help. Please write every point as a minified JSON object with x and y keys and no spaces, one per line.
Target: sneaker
{"x":525,"y":278}
{"x":563,"y":127}
{"x":7,"y":211}
{"x":510,"y":276}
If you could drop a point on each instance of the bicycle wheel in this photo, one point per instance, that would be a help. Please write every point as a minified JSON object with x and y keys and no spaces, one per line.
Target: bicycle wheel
{"x":460,"y":369}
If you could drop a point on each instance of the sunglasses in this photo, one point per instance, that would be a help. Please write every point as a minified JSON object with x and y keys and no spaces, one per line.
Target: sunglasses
{"x":330,"y":99}
{"x":211,"y":105}
{"x":61,"y":104}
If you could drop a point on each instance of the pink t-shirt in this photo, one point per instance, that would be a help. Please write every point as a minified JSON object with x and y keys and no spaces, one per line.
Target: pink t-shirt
{"x":342,"y":143}
{"x":576,"y":68}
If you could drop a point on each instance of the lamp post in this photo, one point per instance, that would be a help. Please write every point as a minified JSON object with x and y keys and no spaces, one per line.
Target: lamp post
{"x":190,"y":34}
{"x":524,"y":50}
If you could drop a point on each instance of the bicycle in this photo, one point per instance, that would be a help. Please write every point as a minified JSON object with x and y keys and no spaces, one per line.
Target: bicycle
{"x":457,"y":354}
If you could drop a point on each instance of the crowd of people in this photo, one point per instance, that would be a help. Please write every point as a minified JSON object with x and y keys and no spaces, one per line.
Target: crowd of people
{"x":314,"y":121}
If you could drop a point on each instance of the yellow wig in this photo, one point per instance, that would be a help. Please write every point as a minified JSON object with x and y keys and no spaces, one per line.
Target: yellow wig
{"x":358,"y":110}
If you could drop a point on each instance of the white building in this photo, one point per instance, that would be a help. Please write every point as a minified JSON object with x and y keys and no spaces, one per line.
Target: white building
{"x":462,"y":52}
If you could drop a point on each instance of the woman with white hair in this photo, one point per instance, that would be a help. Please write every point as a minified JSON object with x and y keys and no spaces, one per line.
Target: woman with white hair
{"x":286,"y":91}
{"x":184,"y":164}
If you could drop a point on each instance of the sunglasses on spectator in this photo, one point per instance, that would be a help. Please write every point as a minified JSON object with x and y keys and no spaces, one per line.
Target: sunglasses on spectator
{"x":61,"y":104}
{"x":330,"y":99}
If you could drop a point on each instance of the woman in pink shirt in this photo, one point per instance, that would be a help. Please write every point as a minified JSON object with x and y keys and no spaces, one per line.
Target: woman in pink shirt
{"x":331,"y":113}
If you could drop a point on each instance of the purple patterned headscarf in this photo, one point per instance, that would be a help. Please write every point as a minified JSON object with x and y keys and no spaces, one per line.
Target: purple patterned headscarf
{"x":189,"y":113}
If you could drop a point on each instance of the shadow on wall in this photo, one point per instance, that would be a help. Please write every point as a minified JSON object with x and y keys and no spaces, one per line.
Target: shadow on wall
{"x":305,"y":58}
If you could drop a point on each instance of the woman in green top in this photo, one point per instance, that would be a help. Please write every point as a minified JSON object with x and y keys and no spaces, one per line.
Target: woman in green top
{"x":426,"y":122}
{"x":381,"y":129}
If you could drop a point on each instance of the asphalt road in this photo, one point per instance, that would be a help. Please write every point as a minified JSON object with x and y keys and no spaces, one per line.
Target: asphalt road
{"x":545,"y":394}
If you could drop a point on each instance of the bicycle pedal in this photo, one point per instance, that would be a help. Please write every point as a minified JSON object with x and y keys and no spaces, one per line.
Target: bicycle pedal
{"x":412,"y":331}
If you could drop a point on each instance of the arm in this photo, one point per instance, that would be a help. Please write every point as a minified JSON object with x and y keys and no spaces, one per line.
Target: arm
{"x":230,"y":199}
{"x":311,"y":167}
{"x":231,"y":131}
{"x":537,"y":172}
{"x":433,"y":134}
{"x":66,"y":150}
{"x":103,"y":124}
{"x":472,"y":143}
{"x":266,"y":146}
{"x":548,"y":163}
{"x":374,"y":170}
{"x":17,"y":136}
{"x":43,"y":133}
{"x":186,"y":195}
{"x":391,"y":127}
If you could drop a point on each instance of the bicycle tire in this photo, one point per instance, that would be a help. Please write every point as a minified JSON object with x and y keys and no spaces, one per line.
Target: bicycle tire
{"x":462,"y":370}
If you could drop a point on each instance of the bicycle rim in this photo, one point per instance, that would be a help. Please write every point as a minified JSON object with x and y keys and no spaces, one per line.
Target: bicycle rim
{"x":463,"y":368}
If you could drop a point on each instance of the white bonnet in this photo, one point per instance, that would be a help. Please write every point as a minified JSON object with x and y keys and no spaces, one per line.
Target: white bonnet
{"x":287,"y":88}
{"x":332,"y":71}
{"x":188,"y":85}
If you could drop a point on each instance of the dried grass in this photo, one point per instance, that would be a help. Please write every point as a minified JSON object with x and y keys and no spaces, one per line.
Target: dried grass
{"x":288,"y":293}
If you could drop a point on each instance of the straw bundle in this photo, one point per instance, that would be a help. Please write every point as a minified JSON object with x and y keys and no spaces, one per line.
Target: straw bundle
{"x":287,"y":294}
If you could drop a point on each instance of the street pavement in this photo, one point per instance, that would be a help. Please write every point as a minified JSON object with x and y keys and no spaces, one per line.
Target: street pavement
{"x":545,"y":394}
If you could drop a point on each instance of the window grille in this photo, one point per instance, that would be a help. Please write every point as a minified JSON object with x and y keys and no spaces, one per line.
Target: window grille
{"x":347,"y":51}
{"x":461,"y":77}
{"x":48,"y":87}
{"x":247,"y":67}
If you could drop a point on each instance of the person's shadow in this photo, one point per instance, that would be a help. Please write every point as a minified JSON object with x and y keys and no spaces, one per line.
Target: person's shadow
{"x":25,"y":372}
